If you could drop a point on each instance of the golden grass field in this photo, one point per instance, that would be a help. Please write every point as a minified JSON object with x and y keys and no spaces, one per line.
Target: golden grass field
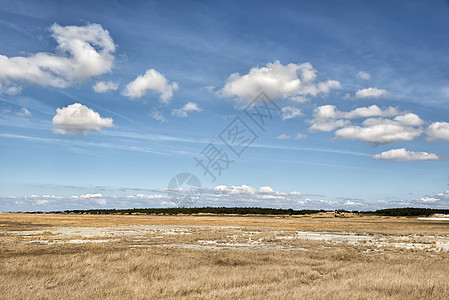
{"x":323,"y":256}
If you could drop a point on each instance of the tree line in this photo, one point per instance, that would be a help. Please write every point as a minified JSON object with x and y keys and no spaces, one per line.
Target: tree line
{"x":396,"y":212}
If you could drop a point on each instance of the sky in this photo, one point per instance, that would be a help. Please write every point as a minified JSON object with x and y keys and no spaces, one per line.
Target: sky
{"x":286,"y":104}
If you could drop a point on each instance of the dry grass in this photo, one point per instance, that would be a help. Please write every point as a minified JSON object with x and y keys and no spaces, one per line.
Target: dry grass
{"x":144,"y":265}
{"x":316,"y":222}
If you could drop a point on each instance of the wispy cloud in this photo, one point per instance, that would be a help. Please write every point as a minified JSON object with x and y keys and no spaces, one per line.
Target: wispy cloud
{"x":104,"y":86}
{"x":187,"y":108}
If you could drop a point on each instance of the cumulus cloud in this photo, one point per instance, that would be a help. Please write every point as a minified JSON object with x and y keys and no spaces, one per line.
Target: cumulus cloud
{"x":245,"y":192}
{"x":89,"y":196}
{"x":440,"y":200}
{"x":104,"y":86}
{"x":221,"y":195}
{"x":327,"y":126}
{"x":404,"y":127}
{"x":364,"y":75}
{"x":371,"y":93}
{"x":295,"y":82}
{"x":266,"y":189}
{"x":353,"y":203}
{"x":403,"y":155}
{"x":289,"y":112}
{"x":438,"y":131}
{"x":245,"y":195}
{"x":152,"y":80}
{"x":383,"y":131}
{"x":369,"y":111}
{"x":324,"y":119}
{"x":24,"y":112}
{"x":82,"y":52}
{"x":283,"y":136}
{"x":78,"y":119}
{"x":183,"y":111}
{"x":409,"y":120}
{"x":242,"y":189}
{"x":325,"y":112}
{"x":93,"y":198}
{"x":328,"y":118}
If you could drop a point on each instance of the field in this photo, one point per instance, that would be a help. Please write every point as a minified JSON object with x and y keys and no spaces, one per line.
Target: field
{"x":320,"y":256}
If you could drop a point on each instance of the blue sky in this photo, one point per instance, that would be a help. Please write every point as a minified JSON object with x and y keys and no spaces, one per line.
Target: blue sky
{"x":103,"y":102}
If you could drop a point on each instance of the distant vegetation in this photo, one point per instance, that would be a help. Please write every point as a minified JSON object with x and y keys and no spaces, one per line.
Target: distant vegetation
{"x":410,"y":211}
{"x":199,"y":210}
{"x":406,"y":211}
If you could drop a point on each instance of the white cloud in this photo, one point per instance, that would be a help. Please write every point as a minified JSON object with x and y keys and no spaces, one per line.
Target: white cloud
{"x":370,"y":111}
{"x":324,"y":117}
{"x":295,"y":193}
{"x":248,"y":195}
{"x":183,"y":111}
{"x":242,"y":189}
{"x":409,"y":120}
{"x":364,"y":75}
{"x":319,"y":204}
{"x":151,"y":80}
{"x":325,"y":112}
{"x":42,"y":202}
{"x":9,"y":88}
{"x":283,"y":137}
{"x":438,"y":131}
{"x":24,"y":112}
{"x":403,"y":155}
{"x":88,"y":196}
{"x":266,"y":189}
{"x":353,"y":203}
{"x":427,"y":200}
{"x":222,"y":195}
{"x":327,"y":126}
{"x":99,"y":201}
{"x":82,"y":52}
{"x":300,"y":136}
{"x":289,"y":112}
{"x":380,"y":131}
{"x":295,"y":82}
{"x":403,"y":127}
{"x":371,"y":93}
{"x":210,"y":88}
{"x":147,"y":197}
{"x":104,"y":86}
{"x":157,"y":116}
{"x":78,"y":119}
{"x":95,"y":198}
{"x":438,"y":200}
{"x":51,"y":196}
